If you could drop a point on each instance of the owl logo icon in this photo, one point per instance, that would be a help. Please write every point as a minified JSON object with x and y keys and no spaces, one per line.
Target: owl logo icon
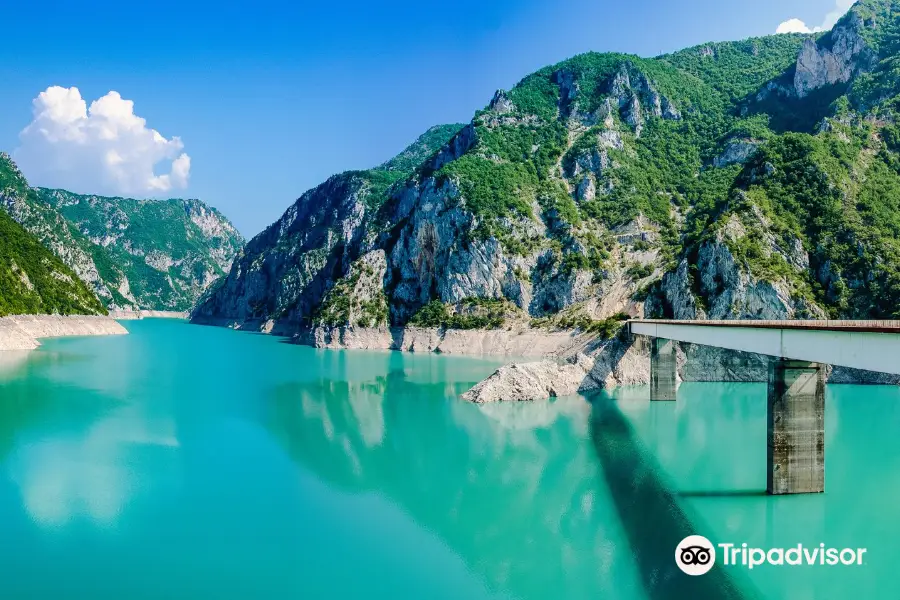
{"x":695,"y":555}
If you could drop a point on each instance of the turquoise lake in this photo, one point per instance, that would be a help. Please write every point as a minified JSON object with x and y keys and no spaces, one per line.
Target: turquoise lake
{"x":195,"y":462}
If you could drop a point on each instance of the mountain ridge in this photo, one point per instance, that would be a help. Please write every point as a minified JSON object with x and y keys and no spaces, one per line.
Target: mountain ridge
{"x":726,"y":180}
{"x":133,"y":254}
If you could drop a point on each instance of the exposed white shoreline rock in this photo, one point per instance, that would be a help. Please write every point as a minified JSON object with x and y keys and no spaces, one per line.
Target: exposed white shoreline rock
{"x":134,"y":315}
{"x":520,"y":341}
{"x":528,"y":381}
{"x":21,"y":332}
{"x":568,"y":362}
{"x":626,"y":361}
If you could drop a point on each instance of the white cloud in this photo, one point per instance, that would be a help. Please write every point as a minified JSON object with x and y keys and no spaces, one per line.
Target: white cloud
{"x":102,"y":149}
{"x":798,"y":26}
{"x":793,"y":26}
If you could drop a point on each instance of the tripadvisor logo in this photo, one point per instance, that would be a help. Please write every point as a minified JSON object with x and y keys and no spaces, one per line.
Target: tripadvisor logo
{"x":696,"y":555}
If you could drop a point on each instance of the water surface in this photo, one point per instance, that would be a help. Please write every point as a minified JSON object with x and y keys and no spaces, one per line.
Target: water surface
{"x":188,"y":462}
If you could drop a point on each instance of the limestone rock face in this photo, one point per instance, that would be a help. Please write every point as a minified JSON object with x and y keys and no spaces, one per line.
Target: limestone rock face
{"x":556,"y":288}
{"x":285,"y":271}
{"x":359,"y":297}
{"x":434,"y":254}
{"x":676,"y":300}
{"x":737,"y":151}
{"x":501,"y":103}
{"x":638,"y":99}
{"x":516,"y":342}
{"x":834,"y":59}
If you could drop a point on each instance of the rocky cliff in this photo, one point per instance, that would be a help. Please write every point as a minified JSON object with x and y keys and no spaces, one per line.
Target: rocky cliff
{"x":133,"y":254}
{"x":33,"y":280}
{"x":285,"y":272}
{"x":149,"y":254}
{"x":753,"y":179}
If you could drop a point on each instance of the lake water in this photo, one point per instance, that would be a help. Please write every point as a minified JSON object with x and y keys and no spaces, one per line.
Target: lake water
{"x":193,"y":462}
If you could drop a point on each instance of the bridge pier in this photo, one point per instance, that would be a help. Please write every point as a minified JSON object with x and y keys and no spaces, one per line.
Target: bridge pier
{"x":663,"y":382}
{"x":796,"y":428}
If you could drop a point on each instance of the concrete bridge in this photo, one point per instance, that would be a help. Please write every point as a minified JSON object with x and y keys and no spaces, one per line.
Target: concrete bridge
{"x":796,"y":391}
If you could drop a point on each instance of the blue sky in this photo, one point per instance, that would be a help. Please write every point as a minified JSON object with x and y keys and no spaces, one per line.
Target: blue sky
{"x":269,"y":99}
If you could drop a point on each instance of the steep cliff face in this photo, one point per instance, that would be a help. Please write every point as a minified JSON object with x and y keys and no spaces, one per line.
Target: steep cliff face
{"x":836,"y":57}
{"x":147,"y":254}
{"x":285,"y":272}
{"x":753,"y":179}
{"x":34,"y":281}
{"x":133,"y":254}
{"x":21,"y":202}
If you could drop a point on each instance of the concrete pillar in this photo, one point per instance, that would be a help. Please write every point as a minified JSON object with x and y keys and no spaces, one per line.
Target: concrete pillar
{"x":662,"y":369}
{"x":795,"y":458}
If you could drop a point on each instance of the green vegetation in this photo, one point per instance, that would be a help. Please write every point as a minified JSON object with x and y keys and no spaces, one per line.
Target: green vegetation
{"x":357,"y":299}
{"x":582,"y":156}
{"x":491,"y":189}
{"x":422,"y":149}
{"x":661,"y":169}
{"x":572,"y":319}
{"x":471,"y":313}
{"x":158,"y":250}
{"x":639,"y":271}
{"x":736,"y":69}
{"x":34,"y":281}
{"x":842,"y":199}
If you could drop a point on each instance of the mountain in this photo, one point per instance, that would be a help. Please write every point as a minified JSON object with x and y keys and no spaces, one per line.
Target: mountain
{"x":134,"y":254}
{"x":161,"y":254}
{"x":34,"y":281}
{"x":286,"y":269}
{"x":751,"y":179}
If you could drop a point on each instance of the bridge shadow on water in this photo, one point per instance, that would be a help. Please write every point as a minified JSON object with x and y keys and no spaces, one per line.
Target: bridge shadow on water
{"x":653,"y":520}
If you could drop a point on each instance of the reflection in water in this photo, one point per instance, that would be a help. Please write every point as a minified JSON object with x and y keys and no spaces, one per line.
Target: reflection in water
{"x":190,"y":462}
{"x":67,"y":448}
{"x":653,"y":519}
{"x":529,"y":416}
{"x":11,"y":361}
{"x":512,"y":488}
{"x":87,"y":474}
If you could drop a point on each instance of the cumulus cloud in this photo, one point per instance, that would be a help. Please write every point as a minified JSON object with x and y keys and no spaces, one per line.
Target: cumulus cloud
{"x":798,"y":26}
{"x":104,"y":148}
{"x":793,"y":26}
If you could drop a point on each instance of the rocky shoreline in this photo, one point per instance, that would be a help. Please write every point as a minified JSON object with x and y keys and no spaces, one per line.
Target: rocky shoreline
{"x":625,"y":360}
{"x":515,"y":342}
{"x":135,"y":315}
{"x":519,"y":341}
{"x":567,"y":361}
{"x":21,"y":332}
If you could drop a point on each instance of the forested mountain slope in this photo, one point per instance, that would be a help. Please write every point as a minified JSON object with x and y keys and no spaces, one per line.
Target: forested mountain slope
{"x":752,"y":179}
{"x":133,"y":254}
{"x":34,"y":281}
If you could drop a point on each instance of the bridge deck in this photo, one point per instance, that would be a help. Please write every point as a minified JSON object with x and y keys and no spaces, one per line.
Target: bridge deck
{"x":834,"y":325}
{"x":868,"y":345}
